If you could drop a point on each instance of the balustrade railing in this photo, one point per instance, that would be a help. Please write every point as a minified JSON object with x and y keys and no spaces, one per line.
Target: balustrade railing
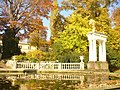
{"x":72,"y":66}
{"x":47,"y":66}
{"x":22,"y":65}
{"x":59,"y":66}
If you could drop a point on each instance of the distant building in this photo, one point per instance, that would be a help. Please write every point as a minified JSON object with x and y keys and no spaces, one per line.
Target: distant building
{"x":26,"y":47}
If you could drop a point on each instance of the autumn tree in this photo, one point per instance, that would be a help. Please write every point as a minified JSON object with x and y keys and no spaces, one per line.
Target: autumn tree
{"x":98,"y":10}
{"x":113,"y":49}
{"x":53,"y":18}
{"x":93,"y":9}
{"x":17,"y":15}
{"x":113,"y":44}
{"x":56,"y":21}
{"x":116,"y":19}
{"x":38,"y":39}
{"x":73,"y":40}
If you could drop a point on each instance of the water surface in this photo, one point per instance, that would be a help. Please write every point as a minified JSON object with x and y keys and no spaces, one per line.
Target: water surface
{"x":58,"y":81}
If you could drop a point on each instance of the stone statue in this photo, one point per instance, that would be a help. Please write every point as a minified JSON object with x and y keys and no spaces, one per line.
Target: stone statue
{"x":92,"y":24}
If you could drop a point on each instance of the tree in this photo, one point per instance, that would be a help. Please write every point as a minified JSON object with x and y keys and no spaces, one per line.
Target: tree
{"x":36,"y":55}
{"x":73,"y":38}
{"x":116,"y":19}
{"x":38,"y":39}
{"x":17,"y":15}
{"x":10,"y":44}
{"x":56,"y":21}
{"x":53,"y":18}
{"x":113,"y":44}
{"x":82,"y":5}
{"x":113,"y":49}
{"x":93,"y":9}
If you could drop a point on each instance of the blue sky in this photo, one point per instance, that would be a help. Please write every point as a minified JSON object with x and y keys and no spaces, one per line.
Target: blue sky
{"x":66,"y":13}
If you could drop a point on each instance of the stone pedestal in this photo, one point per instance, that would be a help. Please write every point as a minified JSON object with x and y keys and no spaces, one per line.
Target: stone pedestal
{"x":91,"y":65}
{"x":81,"y":65}
{"x":104,"y":65}
{"x":98,"y":65}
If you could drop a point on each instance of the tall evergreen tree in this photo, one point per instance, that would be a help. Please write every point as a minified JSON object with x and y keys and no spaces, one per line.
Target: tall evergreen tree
{"x":56,"y":21}
{"x":53,"y":18}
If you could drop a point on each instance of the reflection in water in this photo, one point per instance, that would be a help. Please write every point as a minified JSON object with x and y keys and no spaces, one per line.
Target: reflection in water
{"x":53,"y":81}
{"x":49,"y":76}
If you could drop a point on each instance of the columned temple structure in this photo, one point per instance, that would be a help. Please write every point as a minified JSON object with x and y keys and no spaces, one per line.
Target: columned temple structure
{"x":99,"y":63}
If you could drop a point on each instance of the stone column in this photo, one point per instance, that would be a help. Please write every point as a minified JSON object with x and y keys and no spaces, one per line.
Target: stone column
{"x":92,"y":50}
{"x":103,"y":65}
{"x":94,"y":54}
{"x":100,"y":51}
{"x":104,"y":52}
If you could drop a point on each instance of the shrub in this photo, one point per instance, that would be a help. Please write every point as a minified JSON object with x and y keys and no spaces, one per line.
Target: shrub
{"x":20,"y":57}
{"x":36,"y":55}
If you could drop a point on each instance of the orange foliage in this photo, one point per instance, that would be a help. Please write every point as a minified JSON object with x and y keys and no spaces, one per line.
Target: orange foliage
{"x":24,"y":15}
{"x":116,"y":17}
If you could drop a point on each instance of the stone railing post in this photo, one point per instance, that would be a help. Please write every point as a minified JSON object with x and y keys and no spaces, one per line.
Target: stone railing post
{"x":81,"y":63}
{"x":14,"y":65}
{"x":59,"y":66}
{"x":37,"y":66}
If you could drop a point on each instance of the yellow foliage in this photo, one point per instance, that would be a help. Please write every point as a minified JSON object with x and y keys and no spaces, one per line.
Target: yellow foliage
{"x":36,"y":54}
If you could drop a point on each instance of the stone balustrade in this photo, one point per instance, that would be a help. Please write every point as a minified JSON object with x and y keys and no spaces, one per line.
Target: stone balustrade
{"x":23,"y":65}
{"x":47,"y":66}
{"x":60,"y":66}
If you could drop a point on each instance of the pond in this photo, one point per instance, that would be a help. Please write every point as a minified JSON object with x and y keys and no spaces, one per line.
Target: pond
{"x":59,"y":81}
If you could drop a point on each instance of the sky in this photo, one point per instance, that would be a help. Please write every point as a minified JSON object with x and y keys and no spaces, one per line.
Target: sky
{"x":46,"y":22}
